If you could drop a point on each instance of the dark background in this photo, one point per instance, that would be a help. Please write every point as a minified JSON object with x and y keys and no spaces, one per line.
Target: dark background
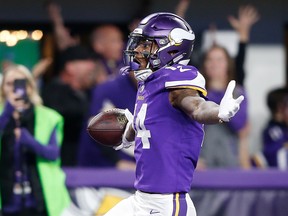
{"x":83,"y":15}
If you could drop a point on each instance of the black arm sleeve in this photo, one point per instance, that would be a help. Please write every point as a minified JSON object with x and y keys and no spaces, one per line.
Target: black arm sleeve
{"x":239,"y":64}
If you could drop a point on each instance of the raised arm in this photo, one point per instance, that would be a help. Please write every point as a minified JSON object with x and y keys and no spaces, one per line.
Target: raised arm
{"x":62,"y":34}
{"x":247,"y":17}
{"x":182,"y":7}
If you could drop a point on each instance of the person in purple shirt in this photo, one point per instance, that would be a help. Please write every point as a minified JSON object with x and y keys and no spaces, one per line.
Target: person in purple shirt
{"x":224,"y":145}
{"x":119,"y":92}
{"x":227,"y":145}
{"x":170,"y":110}
{"x":275,"y":133}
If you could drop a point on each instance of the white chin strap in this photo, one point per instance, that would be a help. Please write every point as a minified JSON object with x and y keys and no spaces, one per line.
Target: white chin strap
{"x":142,"y":75}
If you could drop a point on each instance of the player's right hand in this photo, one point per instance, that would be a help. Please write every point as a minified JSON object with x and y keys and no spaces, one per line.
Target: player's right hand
{"x":228,"y":105}
{"x":125,"y":143}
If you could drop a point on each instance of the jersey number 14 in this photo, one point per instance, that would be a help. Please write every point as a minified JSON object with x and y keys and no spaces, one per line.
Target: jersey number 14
{"x":142,"y":132}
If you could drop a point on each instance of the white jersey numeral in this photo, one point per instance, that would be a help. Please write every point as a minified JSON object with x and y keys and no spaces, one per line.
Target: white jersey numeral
{"x":142,"y":132}
{"x":181,"y":69}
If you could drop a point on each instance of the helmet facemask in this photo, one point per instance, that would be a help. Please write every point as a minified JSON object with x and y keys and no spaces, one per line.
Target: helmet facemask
{"x":139,"y":54}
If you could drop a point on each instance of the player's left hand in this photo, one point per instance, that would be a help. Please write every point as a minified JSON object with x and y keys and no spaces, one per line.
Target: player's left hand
{"x":228,"y":105}
{"x":125,"y":143}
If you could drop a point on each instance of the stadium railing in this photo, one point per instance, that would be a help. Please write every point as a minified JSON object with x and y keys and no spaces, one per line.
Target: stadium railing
{"x":216,"y":192}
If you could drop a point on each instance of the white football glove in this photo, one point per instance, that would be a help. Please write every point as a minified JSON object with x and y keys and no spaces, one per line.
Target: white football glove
{"x":228,"y":105}
{"x":125,"y":143}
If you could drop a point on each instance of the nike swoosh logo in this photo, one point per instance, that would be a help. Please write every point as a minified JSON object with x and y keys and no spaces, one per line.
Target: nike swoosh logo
{"x":183,"y":70}
{"x":154,"y":211}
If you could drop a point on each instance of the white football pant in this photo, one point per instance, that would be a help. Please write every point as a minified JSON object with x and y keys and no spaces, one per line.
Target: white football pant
{"x":145,"y":204}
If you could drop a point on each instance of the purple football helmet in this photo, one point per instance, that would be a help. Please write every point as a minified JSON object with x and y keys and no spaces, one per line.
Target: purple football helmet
{"x":172,"y":34}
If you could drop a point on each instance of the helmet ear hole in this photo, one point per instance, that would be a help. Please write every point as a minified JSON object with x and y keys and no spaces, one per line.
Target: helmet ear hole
{"x":173,"y":52}
{"x":156,"y":62}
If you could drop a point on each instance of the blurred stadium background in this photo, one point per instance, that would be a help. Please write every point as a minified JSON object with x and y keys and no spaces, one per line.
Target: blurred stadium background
{"x":222,"y":193}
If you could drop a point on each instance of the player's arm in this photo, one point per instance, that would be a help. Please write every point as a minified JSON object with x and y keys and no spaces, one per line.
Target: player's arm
{"x":206,"y":112}
{"x":190,"y":102}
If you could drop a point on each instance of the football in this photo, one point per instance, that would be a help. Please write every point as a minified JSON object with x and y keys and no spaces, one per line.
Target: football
{"x":107,"y":127}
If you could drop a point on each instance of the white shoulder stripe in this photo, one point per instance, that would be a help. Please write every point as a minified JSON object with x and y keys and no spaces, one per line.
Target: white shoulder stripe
{"x":198,"y":81}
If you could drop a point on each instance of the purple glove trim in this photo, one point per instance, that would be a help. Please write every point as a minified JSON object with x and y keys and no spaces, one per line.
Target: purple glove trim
{"x":49,"y":152}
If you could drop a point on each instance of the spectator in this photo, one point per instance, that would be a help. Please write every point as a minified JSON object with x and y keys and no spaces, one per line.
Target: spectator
{"x":68,"y":93}
{"x":275,"y":133}
{"x":107,"y":41}
{"x":227,"y":145}
{"x":224,"y":145}
{"x":31,"y":181}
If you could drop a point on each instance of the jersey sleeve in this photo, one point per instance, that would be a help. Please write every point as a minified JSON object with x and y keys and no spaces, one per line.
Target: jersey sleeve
{"x":182,"y":76}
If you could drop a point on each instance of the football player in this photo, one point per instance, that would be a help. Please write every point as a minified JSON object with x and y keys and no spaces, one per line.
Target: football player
{"x":170,"y":110}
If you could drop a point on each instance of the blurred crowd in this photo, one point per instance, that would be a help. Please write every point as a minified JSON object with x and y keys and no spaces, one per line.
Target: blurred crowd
{"x":80,"y":80}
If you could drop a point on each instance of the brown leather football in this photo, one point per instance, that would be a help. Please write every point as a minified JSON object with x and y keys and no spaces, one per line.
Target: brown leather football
{"x":107,"y":127}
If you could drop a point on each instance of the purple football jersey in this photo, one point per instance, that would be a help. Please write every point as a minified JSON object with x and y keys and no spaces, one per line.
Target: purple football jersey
{"x":167,"y":141}
{"x":274,"y":136}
